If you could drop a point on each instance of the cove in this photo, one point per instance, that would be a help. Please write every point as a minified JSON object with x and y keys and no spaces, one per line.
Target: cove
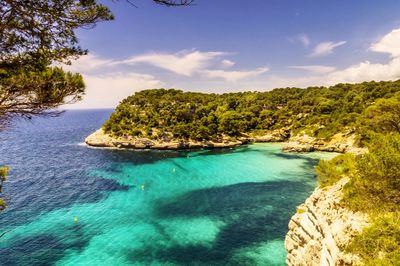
{"x":109,"y":207}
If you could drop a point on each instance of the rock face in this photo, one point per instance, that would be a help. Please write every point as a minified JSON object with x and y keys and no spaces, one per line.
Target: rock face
{"x":100,"y":139}
{"x":277,"y":135}
{"x":340,"y":142}
{"x":298,"y":143}
{"x":321,"y":228}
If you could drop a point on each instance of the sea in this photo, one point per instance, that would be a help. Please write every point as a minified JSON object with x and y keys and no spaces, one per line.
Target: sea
{"x":69,"y":204}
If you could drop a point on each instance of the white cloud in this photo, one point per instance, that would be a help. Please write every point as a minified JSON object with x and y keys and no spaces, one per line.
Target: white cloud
{"x":325,"y":48}
{"x":363,"y":71}
{"x":234,"y":75}
{"x":366,"y":71}
{"x":88,"y":63}
{"x":302,"y":38}
{"x":182,"y":63}
{"x":227,"y":63}
{"x":390,"y":44}
{"x":316,"y":69}
{"x":106,"y":91}
{"x":109,"y":81}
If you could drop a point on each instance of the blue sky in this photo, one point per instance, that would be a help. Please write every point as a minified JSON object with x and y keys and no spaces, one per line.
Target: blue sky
{"x":232,"y":45}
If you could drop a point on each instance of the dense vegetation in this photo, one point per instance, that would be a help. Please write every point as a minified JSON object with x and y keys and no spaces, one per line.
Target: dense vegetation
{"x":374,"y":188}
{"x":3,"y":177}
{"x":374,"y":185}
{"x":321,"y":111}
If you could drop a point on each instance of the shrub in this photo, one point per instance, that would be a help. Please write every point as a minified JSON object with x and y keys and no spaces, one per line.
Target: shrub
{"x":379,"y":243}
{"x":329,"y":172}
{"x":377,"y":183}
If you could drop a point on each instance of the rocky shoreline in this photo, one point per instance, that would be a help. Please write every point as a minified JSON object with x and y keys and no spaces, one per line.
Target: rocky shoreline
{"x":340,"y":142}
{"x":100,"y":139}
{"x":300,"y":143}
{"x":321,"y":228}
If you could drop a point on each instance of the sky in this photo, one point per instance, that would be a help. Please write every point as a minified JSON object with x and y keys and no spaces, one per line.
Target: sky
{"x":237,"y":45}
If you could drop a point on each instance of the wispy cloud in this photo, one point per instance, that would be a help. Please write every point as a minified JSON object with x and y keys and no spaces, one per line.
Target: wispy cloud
{"x":227,"y":63}
{"x":89,"y":64}
{"x":315,"y":69}
{"x":390,"y":44}
{"x":301,"y":38}
{"x":234,"y":76}
{"x":182,"y":63}
{"x":325,"y":48}
{"x":109,"y":81}
{"x":106,"y":91}
{"x":363,"y":71}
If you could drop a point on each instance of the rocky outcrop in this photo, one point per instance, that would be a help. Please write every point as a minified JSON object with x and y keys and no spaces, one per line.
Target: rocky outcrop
{"x":101,"y":139}
{"x":298,"y":143}
{"x":340,"y":142}
{"x":277,"y":135}
{"x":321,"y":228}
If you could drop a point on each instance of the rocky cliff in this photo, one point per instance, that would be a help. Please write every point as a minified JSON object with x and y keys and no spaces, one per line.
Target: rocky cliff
{"x":321,"y":228}
{"x":340,"y":142}
{"x":101,"y":139}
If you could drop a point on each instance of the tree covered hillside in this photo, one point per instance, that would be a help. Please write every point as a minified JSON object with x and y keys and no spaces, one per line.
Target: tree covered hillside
{"x":321,"y":111}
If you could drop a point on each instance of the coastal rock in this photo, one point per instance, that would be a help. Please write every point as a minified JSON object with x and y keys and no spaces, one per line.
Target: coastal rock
{"x":101,"y":139}
{"x":278,"y":135}
{"x":321,"y":228}
{"x":340,"y":142}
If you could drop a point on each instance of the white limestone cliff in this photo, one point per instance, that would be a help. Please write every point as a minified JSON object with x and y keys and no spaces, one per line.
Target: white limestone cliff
{"x":321,"y":228}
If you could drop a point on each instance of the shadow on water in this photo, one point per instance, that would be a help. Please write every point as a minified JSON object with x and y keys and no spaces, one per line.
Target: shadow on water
{"x":259,"y":216}
{"x":42,"y":249}
{"x":307,"y":164}
{"x":62,"y":194}
{"x":139,"y":157}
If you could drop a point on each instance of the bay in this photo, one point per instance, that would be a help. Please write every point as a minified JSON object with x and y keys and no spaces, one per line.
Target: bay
{"x":74,"y":205}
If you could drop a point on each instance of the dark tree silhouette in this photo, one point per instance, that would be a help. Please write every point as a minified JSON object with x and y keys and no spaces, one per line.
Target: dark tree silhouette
{"x":175,"y":2}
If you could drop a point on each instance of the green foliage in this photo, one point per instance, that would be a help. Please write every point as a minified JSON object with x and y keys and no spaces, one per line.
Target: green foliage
{"x":35,"y":35}
{"x":379,"y":243}
{"x":28,"y":93}
{"x":3,"y":177}
{"x":331,"y":171}
{"x":377,"y":184}
{"x":373,"y":188}
{"x":322,"y":111}
{"x":3,"y":204}
{"x":3,"y":173}
{"x":381,"y":117}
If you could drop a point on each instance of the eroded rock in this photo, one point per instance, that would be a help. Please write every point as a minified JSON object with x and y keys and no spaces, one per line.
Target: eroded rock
{"x":321,"y":228}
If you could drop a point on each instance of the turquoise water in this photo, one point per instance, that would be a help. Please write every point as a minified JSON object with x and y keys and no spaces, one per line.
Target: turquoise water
{"x":221,"y":207}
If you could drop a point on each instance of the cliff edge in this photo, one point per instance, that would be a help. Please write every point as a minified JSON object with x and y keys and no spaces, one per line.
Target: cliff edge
{"x":321,"y":228}
{"x":101,"y":139}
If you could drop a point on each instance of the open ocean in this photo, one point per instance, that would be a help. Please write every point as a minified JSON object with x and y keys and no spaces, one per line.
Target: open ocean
{"x":73,"y":205}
